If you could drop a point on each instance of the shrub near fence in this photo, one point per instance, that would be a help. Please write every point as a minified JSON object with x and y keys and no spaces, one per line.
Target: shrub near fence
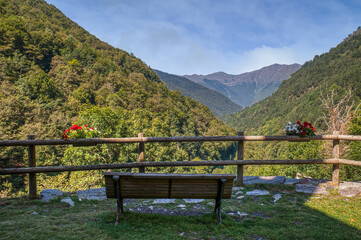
{"x":32,"y":169}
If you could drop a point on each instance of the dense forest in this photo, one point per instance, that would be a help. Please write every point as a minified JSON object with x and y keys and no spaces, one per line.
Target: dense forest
{"x":53,"y":74}
{"x":303,"y":97}
{"x":299,"y":96}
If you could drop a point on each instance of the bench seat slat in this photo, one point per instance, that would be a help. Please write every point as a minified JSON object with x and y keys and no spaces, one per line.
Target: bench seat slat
{"x":170,"y":176}
{"x":145,"y":185}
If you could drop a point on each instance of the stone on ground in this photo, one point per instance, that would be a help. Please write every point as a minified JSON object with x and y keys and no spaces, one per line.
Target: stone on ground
{"x":257,"y":192}
{"x":276,"y":197}
{"x":266,"y":180}
{"x":49,"y":194}
{"x":242,"y":214}
{"x":92,"y":194}
{"x":236,"y":189}
{"x":163,"y":200}
{"x":311,"y":189}
{"x":291,"y":181}
{"x":193,"y":200}
{"x":350,"y":189}
{"x":68,"y":200}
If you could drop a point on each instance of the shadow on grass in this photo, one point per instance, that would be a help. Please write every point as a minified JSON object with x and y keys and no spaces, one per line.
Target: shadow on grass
{"x":294,"y":216}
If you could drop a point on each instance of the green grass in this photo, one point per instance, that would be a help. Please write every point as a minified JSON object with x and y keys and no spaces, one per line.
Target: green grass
{"x":294,"y":216}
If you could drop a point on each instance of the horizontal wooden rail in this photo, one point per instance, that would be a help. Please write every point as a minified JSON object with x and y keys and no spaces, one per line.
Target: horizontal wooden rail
{"x":349,"y":137}
{"x":6,"y":171}
{"x":32,"y":170}
{"x":350,"y":162}
{"x":89,"y":141}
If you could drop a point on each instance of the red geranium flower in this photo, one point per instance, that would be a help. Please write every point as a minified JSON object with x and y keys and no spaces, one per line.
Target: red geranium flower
{"x":74,"y":127}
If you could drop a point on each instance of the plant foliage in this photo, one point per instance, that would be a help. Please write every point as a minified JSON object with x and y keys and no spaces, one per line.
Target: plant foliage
{"x":53,"y":74}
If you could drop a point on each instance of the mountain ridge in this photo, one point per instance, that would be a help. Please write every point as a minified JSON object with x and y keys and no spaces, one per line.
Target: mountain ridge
{"x":257,"y":75}
{"x":218,"y":103}
{"x":298,"y":98}
{"x":250,"y":87}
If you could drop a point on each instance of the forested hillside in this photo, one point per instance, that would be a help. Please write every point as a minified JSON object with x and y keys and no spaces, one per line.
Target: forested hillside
{"x":53,"y":74}
{"x":299,"y":99}
{"x":218,"y":103}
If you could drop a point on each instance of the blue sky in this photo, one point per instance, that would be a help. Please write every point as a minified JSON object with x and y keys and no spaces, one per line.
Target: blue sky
{"x":207,"y":36}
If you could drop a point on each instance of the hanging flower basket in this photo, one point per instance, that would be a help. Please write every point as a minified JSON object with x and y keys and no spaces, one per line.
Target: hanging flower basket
{"x":80,"y":132}
{"x":301,"y":130}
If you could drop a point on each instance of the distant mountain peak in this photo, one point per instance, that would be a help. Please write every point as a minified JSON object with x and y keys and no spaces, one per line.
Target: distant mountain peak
{"x":299,"y":96}
{"x":249,"y":87}
{"x":217,"y":102}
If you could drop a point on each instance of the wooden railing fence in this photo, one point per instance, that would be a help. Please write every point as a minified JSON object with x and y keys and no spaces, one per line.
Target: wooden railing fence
{"x":32,"y":169}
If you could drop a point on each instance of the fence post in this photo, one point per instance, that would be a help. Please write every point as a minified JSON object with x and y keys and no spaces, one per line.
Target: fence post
{"x":336,"y":155}
{"x":141,"y":150}
{"x":240,"y":156}
{"x":32,"y":163}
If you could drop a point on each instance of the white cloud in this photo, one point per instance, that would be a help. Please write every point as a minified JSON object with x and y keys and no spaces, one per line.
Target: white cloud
{"x":205,"y":36}
{"x":264,"y":56}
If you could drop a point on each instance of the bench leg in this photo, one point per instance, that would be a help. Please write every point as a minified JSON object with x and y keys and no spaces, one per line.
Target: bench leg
{"x":219,"y":199}
{"x":119,"y":198}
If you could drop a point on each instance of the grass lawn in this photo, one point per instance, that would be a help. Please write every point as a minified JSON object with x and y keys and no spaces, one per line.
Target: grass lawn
{"x":293,"y":216}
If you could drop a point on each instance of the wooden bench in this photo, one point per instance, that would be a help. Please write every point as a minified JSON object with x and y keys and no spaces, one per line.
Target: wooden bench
{"x":150,"y":185}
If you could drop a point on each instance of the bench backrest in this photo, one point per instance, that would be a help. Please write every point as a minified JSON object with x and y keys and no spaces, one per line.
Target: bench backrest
{"x":150,"y":185}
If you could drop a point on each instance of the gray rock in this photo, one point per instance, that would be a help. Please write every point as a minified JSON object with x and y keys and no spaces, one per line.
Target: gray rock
{"x":311,"y":189}
{"x":163,"y":200}
{"x":350,"y":192}
{"x":49,"y":194}
{"x":276,"y":197}
{"x":242,"y":214}
{"x":34,"y":213}
{"x":291,"y":181}
{"x":230,"y":214}
{"x":193,"y":200}
{"x":92,"y":194}
{"x":68,"y":200}
{"x":266,"y":180}
{"x":257,"y":192}
{"x":240,"y":197}
{"x":238,"y":193}
{"x":151,"y":208}
{"x":181,"y":205}
{"x":350,"y":189}
{"x":236,"y":189}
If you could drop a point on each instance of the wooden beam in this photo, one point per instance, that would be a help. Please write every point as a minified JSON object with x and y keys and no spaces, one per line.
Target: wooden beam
{"x":89,"y":141}
{"x":6,"y":171}
{"x":141,"y":150}
{"x":336,"y":155}
{"x":32,"y":163}
{"x":240,"y":157}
